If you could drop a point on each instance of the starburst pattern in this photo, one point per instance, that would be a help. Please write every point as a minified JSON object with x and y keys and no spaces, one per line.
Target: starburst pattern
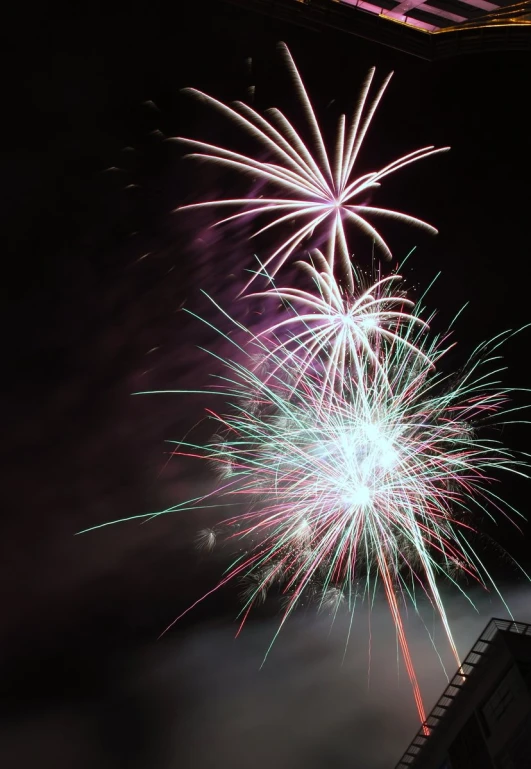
{"x":379,"y":484}
{"x":334,"y":328}
{"x":380,"y":481}
{"x":323,"y":193}
{"x":349,"y":459}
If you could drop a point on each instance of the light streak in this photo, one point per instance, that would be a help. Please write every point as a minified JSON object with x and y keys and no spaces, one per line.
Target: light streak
{"x":381,"y":480}
{"x":319,"y":191}
{"x":337,"y":328}
{"x":348,"y":456}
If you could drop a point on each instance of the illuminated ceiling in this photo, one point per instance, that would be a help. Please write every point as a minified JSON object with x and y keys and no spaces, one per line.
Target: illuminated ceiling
{"x":430,"y":29}
{"x":441,"y":15}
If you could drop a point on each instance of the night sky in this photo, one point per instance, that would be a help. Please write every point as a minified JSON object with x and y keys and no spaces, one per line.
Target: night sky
{"x":97,"y":270}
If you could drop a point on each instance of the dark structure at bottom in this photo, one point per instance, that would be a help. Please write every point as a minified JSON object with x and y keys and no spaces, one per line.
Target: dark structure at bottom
{"x":483,"y":719}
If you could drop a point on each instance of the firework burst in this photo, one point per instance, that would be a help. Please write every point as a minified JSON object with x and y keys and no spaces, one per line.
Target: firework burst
{"x":321,"y":192}
{"x":336,"y":329}
{"x":348,"y":457}
{"x":380,"y":481}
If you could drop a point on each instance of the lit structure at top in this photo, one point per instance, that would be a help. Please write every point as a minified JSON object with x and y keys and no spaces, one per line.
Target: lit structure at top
{"x":430,"y":29}
{"x":438,"y":16}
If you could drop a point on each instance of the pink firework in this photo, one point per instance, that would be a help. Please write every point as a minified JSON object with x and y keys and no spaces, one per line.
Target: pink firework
{"x":319,"y":189}
{"x":339,"y":329}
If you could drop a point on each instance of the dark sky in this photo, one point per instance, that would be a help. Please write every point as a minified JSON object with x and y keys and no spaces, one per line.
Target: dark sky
{"x":96,"y":269}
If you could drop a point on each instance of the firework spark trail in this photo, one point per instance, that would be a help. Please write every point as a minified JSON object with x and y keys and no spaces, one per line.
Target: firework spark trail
{"x":371,"y":482}
{"x":348,"y":457}
{"x":378,"y":483}
{"x":323,"y":193}
{"x":337,"y":326}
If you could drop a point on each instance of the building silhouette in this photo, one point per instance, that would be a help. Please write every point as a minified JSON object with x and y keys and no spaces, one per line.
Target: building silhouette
{"x":483,"y":718}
